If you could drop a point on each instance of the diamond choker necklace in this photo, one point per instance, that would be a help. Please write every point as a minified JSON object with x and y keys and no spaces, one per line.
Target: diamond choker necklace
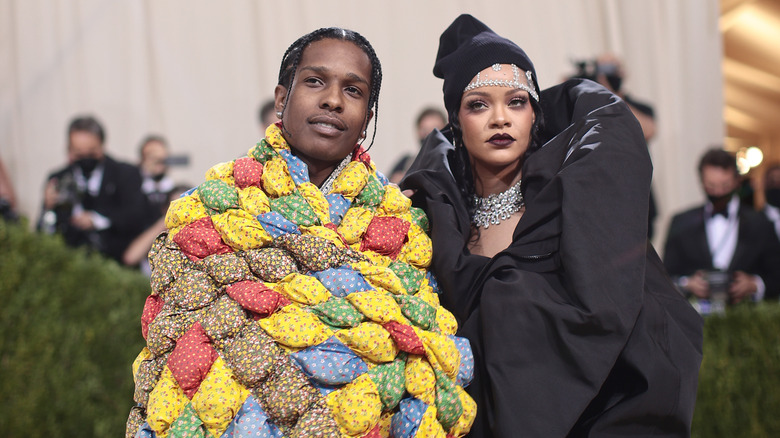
{"x":498,"y":207}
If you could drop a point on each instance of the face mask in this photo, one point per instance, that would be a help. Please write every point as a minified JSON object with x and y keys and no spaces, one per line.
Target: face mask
{"x":721,"y":200}
{"x":87,"y":165}
{"x":773,"y":196}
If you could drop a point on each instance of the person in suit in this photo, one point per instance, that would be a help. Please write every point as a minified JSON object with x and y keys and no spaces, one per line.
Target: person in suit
{"x":721,"y":247}
{"x":772,"y":195}
{"x":94,"y":201}
{"x":427,"y":120}
{"x":156,"y":185}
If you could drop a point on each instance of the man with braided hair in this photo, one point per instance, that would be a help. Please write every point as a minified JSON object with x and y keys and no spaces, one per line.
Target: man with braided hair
{"x":290,"y":292}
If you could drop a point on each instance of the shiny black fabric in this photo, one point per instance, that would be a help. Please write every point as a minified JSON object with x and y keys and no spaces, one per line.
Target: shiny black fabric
{"x":576,"y":328}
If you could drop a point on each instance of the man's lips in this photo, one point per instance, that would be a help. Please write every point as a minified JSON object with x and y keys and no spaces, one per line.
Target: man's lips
{"x":327,"y":124}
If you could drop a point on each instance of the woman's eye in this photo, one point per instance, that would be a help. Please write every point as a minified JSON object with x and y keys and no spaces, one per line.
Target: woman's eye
{"x":476,"y":105}
{"x":518,"y":101}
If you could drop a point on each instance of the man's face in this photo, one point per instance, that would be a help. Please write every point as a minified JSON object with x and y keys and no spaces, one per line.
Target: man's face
{"x":328,"y":107}
{"x":717,"y":181}
{"x":84,"y":144}
{"x":428,"y":124}
{"x":154,"y":156}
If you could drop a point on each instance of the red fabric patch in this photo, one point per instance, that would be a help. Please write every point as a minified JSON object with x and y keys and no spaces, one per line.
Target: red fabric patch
{"x":191,"y":359}
{"x":152,"y":307}
{"x":200,"y":239}
{"x":360,"y":154}
{"x":247,"y":172}
{"x":257,"y":297}
{"x":405,"y":337}
{"x":385,"y":235}
{"x":373,"y":433}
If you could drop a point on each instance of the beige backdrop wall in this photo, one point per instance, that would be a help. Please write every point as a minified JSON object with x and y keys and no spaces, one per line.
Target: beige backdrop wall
{"x":195,"y":71}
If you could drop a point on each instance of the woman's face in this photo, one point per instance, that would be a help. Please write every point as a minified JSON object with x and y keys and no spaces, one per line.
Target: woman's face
{"x":328,"y":105}
{"x":496,"y":123}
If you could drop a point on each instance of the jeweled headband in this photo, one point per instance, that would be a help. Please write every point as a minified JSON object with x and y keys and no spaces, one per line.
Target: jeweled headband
{"x":466,"y":48}
{"x":514,"y":83}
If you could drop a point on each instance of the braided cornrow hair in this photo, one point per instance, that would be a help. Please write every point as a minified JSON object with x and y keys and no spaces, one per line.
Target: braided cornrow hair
{"x":461,"y":165}
{"x":293,"y":55}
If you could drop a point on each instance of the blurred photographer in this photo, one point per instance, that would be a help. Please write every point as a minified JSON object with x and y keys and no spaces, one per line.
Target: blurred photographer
{"x":723,"y":252}
{"x":94,"y":201}
{"x":608,"y":71}
{"x":155,"y":184}
{"x":772,"y":195}
{"x":7,"y":196}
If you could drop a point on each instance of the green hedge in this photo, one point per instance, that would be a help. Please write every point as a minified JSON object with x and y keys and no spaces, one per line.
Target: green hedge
{"x":70,"y":329}
{"x":70,"y":325}
{"x":739,"y":381}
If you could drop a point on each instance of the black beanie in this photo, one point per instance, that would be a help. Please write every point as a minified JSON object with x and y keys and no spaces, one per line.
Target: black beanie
{"x":466,"y":48}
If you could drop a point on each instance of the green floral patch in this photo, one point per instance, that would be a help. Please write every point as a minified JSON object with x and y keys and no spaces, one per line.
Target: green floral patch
{"x":338,"y":312}
{"x":419,"y":312}
{"x":448,"y":406}
{"x":187,"y":425}
{"x":371,"y":195}
{"x":262,"y":152}
{"x":420,"y":219}
{"x":218,"y":196}
{"x":409,"y":275}
{"x":389,"y":380}
{"x":295,"y":209}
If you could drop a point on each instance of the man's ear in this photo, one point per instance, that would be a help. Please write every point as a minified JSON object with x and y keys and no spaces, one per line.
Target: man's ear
{"x":280,"y":98}
{"x":368,"y":119}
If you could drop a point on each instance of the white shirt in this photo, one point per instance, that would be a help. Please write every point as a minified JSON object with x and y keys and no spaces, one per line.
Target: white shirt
{"x":773,"y":214}
{"x":722,"y":237}
{"x":91,"y":186}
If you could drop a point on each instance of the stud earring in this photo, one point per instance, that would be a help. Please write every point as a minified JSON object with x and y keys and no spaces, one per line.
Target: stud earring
{"x":278,"y":114}
{"x":364,"y":134}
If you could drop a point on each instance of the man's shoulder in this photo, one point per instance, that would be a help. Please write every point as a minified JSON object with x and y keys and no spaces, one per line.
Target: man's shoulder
{"x":690,"y":216}
{"x":685,"y":223}
{"x":116,"y":166}
{"x":59,"y":172}
{"x":753,"y":217}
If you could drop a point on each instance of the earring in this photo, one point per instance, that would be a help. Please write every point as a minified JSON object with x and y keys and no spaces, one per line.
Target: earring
{"x":364,"y":134}
{"x":278,"y":114}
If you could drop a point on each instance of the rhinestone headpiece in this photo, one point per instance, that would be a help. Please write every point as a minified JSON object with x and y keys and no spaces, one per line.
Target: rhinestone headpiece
{"x":514,"y":83}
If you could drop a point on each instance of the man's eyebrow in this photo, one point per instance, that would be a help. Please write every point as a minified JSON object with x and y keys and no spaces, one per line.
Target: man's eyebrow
{"x":323,"y":70}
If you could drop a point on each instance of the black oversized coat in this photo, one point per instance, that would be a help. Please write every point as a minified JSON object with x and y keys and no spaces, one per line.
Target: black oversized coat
{"x":576,"y":328}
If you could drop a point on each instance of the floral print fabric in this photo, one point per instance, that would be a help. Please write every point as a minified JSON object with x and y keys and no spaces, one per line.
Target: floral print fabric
{"x":279,"y":311}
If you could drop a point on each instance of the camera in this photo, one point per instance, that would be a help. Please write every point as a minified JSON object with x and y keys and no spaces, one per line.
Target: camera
{"x":592,"y":69}
{"x":719,"y":282}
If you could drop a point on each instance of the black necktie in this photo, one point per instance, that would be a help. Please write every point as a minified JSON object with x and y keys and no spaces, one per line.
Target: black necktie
{"x":724,"y":213}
